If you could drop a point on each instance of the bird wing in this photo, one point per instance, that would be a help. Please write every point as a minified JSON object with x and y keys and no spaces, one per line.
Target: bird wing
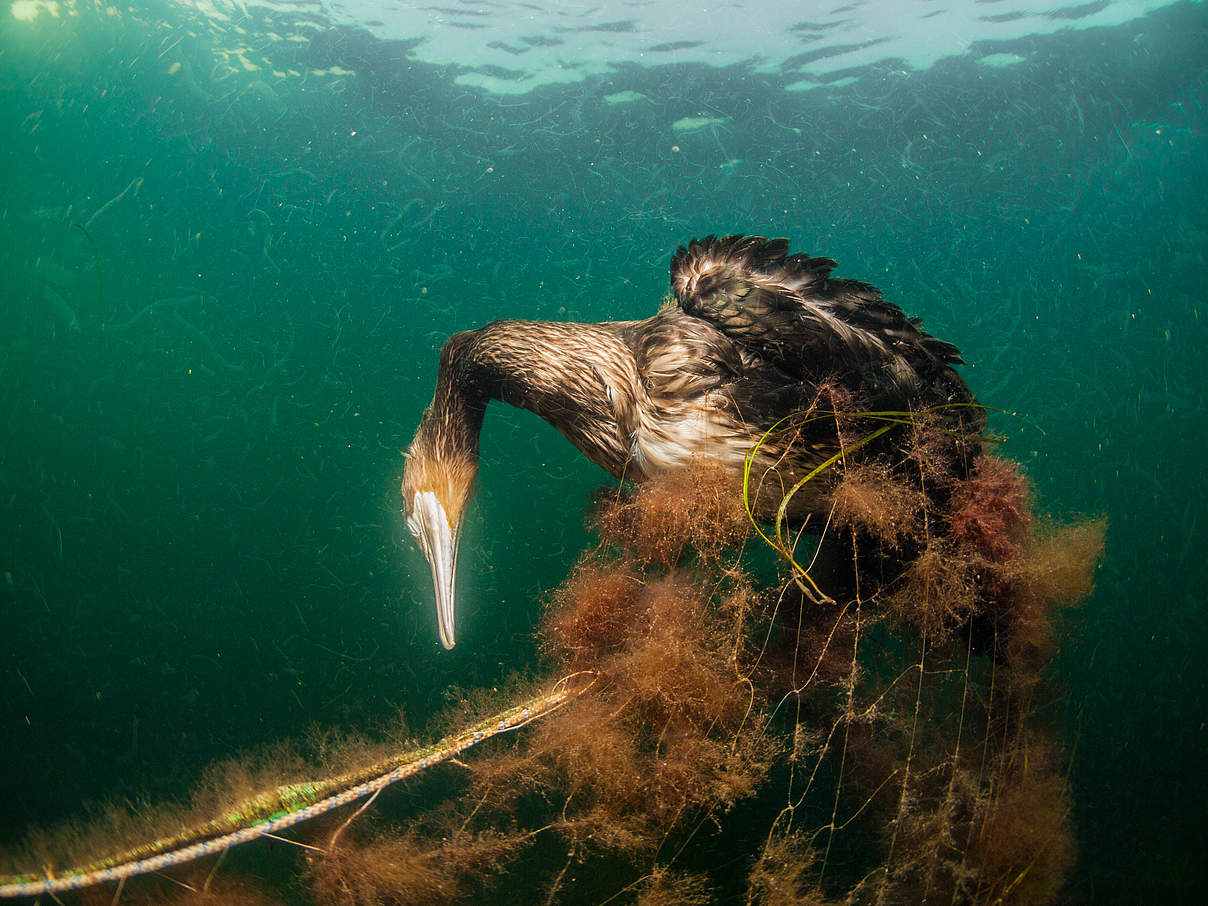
{"x":790,"y":312}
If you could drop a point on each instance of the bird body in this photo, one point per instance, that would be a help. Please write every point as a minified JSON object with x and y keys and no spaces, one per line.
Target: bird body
{"x":749,"y":336}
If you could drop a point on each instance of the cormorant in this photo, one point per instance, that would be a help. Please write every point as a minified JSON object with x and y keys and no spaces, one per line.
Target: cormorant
{"x":749,"y":335}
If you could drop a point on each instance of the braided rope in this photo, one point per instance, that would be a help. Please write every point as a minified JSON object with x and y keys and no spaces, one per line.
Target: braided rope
{"x":287,"y":805}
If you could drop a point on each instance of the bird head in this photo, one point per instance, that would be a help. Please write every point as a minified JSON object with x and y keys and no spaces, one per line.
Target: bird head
{"x":435,"y":491}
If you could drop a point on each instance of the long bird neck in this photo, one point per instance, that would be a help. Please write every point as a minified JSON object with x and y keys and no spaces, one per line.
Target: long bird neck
{"x":454,"y":420}
{"x":575,"y":376}
{"x":443,"y":457}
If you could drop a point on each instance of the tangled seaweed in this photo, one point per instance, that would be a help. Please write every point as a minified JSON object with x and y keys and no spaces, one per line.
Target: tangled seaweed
{"x":882,"y":743}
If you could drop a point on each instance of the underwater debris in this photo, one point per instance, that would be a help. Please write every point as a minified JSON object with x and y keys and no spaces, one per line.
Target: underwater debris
{"x":693,"y":508}
{"x":785,"y":874}
{"x":990,"y":511}
{"x":873,"y":748}
{"x":1023,"y":848}
{"x":1056,"y":570}
{"x":135,"y":184}
{"x":869,"y":501}
{"x":674,"y":888}
{"x":402,"y":868}
{"x":115,"y":846}
{"x":937,"y":591}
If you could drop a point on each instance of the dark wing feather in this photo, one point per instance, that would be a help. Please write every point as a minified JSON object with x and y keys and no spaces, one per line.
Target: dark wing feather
{"x":789,"y":311}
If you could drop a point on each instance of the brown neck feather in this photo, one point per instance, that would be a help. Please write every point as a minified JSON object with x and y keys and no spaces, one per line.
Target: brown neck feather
{"x":580,"y":378}
{"x":443,"y":457}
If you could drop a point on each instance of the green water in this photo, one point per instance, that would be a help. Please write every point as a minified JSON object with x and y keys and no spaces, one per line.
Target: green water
{"x":200,"y":542}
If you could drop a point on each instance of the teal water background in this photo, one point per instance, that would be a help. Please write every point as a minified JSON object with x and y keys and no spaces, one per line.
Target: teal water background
{"x":206,"y":382}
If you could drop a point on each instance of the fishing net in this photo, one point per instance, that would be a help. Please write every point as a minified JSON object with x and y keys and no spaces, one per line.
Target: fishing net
{"x":845,"y":710}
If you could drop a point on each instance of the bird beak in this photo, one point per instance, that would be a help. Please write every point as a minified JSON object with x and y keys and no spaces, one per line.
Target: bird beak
{"x":429,"y":524}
